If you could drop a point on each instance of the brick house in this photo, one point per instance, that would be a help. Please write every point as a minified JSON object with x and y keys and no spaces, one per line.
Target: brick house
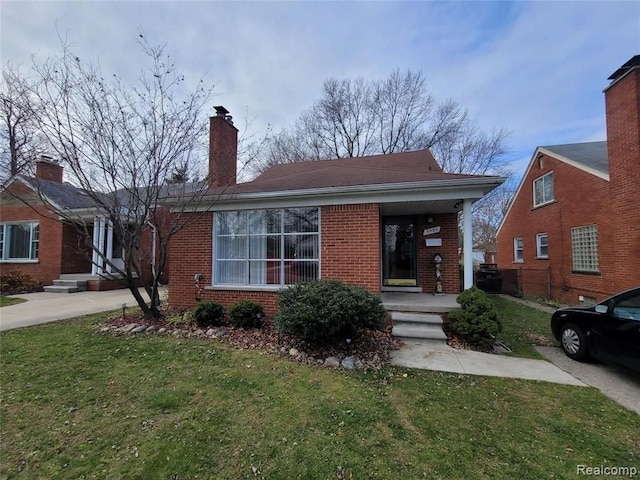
{"x":573,"y":227}
{"x":34,"y":239}
{"x":377,"y":221}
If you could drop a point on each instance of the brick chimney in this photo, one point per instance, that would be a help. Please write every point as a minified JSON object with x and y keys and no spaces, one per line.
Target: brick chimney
{"x":622,"y":103}
{"x":48,"y":169}
{"x":223,"y":149}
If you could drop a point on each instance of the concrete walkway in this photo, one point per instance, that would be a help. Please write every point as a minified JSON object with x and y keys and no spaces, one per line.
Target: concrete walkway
{"x":46,"y":307}
{"x":433,"y":355}
{"x":430,"y":355}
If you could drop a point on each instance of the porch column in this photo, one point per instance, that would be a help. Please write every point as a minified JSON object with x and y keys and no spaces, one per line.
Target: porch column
{"x":97,"y":265}
{"x":109,"y":251}
{"x":467,"y":243}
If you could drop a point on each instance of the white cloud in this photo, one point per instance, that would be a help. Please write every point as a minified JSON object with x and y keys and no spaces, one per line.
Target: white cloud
{"x":535,"y":68}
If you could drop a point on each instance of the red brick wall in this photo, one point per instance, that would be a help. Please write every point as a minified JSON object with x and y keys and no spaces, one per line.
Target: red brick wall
{"x":580,"y":200}
{"x":623,"y":142}
{"x":450,"y":269}
{"x":350,"y":235}
{"x":76,"y":254}
{"x":350,"y":239}
{"x":223,"y":152}
{"x":48,"y":267}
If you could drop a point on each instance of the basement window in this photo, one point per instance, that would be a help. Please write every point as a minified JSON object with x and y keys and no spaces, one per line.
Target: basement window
{"x":19,"y":242}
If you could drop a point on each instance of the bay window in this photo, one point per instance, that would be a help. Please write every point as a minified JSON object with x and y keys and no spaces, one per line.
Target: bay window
{"x":266,"y":247}
{"x":19,"y":241}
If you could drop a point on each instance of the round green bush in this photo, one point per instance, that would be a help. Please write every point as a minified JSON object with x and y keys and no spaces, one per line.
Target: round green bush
{"x":246,"y":314}
{"x":477,"y":321}
{"x":325,"y":310}
{"x":208,"y":314}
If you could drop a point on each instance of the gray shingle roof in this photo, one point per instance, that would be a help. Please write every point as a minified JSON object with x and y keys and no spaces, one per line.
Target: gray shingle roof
{"x":590,"y":154}
{"x":64,"y":195}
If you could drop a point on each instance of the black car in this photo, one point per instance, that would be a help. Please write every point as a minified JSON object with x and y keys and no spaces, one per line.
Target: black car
{"x":608,"y":331}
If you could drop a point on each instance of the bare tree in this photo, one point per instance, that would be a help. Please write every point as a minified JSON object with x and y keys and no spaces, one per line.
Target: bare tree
{"x":488,"y":213}
{"x":355,"y":118}
{"x":20,"y":140}
{"x":122,"y":143}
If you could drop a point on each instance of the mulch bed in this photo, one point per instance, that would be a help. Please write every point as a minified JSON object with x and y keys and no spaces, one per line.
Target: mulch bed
{"x":372,"y":349}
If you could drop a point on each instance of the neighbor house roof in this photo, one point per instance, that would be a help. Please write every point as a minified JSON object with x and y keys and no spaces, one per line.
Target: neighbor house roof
{"x":63,"y":195}
{"x":592,"y":155}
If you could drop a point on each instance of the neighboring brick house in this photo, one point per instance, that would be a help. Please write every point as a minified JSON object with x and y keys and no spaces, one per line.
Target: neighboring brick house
{"x":35,"y":240}
{"x":573,"y":228}
{"x":374,"y":221}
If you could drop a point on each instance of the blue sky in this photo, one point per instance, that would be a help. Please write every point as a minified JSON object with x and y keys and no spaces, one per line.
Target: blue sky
{"x":535,"y":68}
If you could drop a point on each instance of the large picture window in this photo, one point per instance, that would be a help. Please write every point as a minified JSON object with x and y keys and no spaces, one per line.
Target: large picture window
{"x":266,"y":247}
{"x":584,"y":245}
{"x":19,"y":241}
{"x":543,"y":190}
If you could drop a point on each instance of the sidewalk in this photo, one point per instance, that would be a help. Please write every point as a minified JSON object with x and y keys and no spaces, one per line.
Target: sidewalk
{"x":436,"y":355}
{"x":43,"y":307}
{"x":430,"y":355}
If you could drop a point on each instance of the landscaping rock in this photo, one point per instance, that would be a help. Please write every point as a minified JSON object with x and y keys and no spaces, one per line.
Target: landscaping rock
{"x":139,"y":329}
{"x":332,"y":362}
{"x":349,"y":363}
{"x":162,"y":330}
{"x":211,"y":332}
{"x":294,"y":352}
{"x":150,"y":329}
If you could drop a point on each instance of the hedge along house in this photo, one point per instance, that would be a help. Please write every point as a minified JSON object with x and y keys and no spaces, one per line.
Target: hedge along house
{"x":35,"y":240}
{"x":380,"y":222}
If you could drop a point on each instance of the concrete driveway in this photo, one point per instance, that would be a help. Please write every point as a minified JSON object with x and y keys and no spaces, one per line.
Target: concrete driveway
{"x":43,"y":307}
{"x":620,"y":385}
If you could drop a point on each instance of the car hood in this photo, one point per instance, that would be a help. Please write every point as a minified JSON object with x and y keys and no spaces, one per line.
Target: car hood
{"x":576,"y":308}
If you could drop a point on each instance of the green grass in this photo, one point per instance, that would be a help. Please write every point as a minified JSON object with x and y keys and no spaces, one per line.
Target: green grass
{"x":6,"y":301}
{"x":78,"y":404}
{"x":522,"y":327}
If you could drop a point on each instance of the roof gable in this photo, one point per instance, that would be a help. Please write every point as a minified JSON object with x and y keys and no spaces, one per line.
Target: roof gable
{"x":590,"y":157}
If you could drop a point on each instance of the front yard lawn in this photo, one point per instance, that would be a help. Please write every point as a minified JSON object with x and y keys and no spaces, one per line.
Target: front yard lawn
{"x":523,"y":327}
{"x":78,"y":404}
{"x":6,"y":301}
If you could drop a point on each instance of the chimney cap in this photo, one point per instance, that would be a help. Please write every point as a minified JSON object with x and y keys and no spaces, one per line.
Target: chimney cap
{"x":632,"y":63}
{"x":221,"y":111}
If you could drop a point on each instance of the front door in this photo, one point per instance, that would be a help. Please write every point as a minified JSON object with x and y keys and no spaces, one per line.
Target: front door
{"x":399,"y":251}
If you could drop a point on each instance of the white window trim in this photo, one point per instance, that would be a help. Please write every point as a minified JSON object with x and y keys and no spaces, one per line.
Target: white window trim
{"x":515,"y":250}
{"x":539,"y":236}
{"x":282,"y":234}
{"x":547,"y":201}
{"x":5,"y":242}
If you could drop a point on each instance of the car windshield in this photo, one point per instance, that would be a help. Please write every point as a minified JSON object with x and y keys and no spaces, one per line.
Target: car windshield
{"x":628,"y":308}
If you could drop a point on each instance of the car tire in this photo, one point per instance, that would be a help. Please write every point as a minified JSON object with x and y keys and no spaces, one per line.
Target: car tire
{"x":574,"y":342}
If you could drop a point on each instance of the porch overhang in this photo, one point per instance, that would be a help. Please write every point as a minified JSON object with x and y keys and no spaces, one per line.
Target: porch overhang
{"x":439,"y":196}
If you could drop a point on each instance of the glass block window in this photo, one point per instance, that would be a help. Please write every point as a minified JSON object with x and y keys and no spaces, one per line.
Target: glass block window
{"x":584,"y":245}
{"x":266,"y":247}
{"x":543,"y":190}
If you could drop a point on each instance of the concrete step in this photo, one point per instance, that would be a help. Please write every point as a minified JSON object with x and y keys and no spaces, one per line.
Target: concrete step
{"x":425,"y":332}
{"x":70,"y":283}
{"x":62,"y":289}
{"x":415,"y":318}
